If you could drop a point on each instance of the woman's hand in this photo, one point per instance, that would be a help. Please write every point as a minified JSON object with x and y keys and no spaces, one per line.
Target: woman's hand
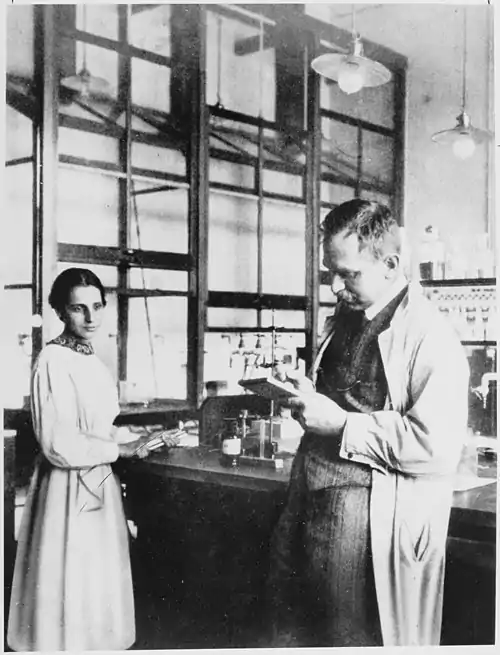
{"x":137,"y":448}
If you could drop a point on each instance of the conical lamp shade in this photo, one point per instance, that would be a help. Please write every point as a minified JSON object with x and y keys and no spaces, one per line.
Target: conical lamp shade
{"x":333,"y":65}
{"x":461,"y":129}
{"x":86,"y":84}
{"x":463,"y":138}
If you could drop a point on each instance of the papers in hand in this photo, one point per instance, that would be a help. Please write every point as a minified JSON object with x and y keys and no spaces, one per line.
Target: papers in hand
{"x":166,"y":438}
{"x":271,"y":388}
{"x":171,"y":439}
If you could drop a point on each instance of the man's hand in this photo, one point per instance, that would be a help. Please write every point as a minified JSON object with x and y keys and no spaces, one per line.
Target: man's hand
{"x":317,"y":413}
{"x":300,"y":382}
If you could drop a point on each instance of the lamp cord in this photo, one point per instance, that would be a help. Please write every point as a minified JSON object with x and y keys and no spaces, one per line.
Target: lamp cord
{"x":143,"y":280}
{"x":464,"y":57}
{"x":219,"y":60}
{"x":261,"y":66}
{"x":306,"y":86}
{"x":84,"y":20}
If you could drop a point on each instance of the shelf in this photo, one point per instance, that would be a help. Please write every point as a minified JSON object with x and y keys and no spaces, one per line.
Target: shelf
{"x":249,"y":329}
{"x":460,"y":282}
{"x":486,"y":344}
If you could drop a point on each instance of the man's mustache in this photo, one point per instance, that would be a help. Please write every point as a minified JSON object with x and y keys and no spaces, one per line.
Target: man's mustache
{"x":347,"y":298}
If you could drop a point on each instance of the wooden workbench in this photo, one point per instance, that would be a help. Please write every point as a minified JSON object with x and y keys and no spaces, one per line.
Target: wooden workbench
{"x":203,"y":533}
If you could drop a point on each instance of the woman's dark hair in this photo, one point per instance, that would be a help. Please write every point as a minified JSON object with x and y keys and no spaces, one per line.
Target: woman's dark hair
{"x":68,"y":280}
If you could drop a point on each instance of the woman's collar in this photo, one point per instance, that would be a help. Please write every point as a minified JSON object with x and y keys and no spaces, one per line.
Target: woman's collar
{"x":70,"y":341}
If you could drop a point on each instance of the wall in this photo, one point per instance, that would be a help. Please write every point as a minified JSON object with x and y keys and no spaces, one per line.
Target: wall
{"x":454,"y":195}
{"x":442,"y":189}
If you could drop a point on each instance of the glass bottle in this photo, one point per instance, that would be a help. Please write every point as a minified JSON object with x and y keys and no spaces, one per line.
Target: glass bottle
{"x":230,"y":443}
{"x":432,"y":255}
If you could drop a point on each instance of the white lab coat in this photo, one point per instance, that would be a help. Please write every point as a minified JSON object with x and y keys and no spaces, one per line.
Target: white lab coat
{"x":72,"y":586}
{"x":413,"y":447}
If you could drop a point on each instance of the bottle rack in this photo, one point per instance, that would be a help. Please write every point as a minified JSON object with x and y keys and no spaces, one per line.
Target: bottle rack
{"x":470,"y":305}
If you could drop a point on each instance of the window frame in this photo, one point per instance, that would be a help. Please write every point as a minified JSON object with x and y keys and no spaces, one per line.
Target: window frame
{"x":40,"y":102}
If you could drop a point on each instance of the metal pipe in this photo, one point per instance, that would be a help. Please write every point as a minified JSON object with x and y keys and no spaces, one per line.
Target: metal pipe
{"x":119,"y":174}
{"x":248,"y":196}
{"x":250,"y":14}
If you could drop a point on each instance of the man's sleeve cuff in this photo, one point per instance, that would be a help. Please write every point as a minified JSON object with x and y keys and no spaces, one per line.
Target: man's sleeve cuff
{"x":353,"y":441}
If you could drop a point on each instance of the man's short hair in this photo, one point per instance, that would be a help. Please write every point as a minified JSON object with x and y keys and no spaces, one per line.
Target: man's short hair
{"x":372,"y":222}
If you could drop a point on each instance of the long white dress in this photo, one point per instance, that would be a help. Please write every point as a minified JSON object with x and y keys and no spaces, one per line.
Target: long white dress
{"x":72,"y":585}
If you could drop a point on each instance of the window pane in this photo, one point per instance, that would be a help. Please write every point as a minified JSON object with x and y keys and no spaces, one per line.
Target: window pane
{"x":284,"y":249}
{"x":17,"y":240}
{"x":232,"y":243}
{"x":18,"y":135}
{"x":150,"y":85}
{"x":339,"y":155}
{"x":231,"y":317}
{"x":378,"y":158}
{"x":231,"y":357}
{"x":373,"y":104}
{"x":98,"y":103}
{"x":234,"y":136}
{"x":19,"y":48}
{"x":87,"y":208}
{"x":336,"y":193}
{"x":16,"y":341}
{"x":240,"y":75}
{"x":157,"y":359}
{"x":288,"y":185}
{"x":87,"y":145}
{"x":234,"y":174}
{"x":152,"y":158}
{"x":285,"y":343}
{"x":151,"y":278}
{"x":159,"y":220}
{"x":101,"y":19}
{"x":150,"y":29}
{"x":284,"y":318}
{"x":219,"y":359}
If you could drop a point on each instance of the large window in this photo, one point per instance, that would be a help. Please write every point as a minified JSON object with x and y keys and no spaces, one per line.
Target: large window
{"x":17,"y":246}
{"x":190,"y":172}
{"x":256,"y":218}
{"x":359,"y":146}
{"x":121,"y":191}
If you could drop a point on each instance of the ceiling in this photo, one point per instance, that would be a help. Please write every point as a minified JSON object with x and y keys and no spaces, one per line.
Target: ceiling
{"x":429,"y":35}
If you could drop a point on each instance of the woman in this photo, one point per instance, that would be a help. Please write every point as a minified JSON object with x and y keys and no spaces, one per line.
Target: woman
{"x":72,"y":586}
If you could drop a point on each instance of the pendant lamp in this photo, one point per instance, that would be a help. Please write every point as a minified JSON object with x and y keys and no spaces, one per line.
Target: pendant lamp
{"x":463,"y":138}
{"x":84,"y":83}
{"x":352,"y":71}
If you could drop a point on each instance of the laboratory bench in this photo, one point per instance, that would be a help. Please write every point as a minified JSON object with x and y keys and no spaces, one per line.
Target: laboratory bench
{"x":202,"y":530}
{"x":202,"y":540}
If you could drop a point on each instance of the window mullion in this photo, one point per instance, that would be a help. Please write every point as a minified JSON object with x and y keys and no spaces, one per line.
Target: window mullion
{"x":45,"y":163}
{"x":124,"y":100}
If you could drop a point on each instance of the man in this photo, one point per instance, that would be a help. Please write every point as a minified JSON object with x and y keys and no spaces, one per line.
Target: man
{"x":357,"y":557}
